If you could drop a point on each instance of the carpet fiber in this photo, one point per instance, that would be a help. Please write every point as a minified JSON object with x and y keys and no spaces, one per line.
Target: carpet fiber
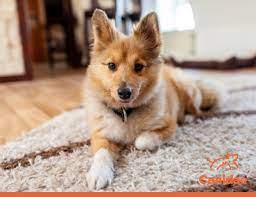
{"x":56,"y":156}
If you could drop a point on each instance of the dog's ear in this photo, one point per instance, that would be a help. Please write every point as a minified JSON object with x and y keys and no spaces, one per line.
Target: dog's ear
{"x":104,"y":31}
{"x":147,"y":30}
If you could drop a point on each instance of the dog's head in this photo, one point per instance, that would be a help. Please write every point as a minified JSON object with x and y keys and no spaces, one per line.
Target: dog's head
{"x":125,"y":69}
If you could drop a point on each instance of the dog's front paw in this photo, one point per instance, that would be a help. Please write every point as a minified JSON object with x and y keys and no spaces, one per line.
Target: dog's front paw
{"x":101,"y":173}
{"x":99,"y":177}
{"x":148,"y":141}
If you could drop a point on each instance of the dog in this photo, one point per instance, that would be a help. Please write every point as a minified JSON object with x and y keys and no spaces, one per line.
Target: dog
{"x":131,"y":97}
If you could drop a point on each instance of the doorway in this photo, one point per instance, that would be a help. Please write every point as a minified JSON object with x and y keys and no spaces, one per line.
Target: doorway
{"x":53,"y":41}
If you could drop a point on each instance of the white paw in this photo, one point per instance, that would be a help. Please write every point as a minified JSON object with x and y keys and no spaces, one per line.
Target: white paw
{"x":99,"y":177}
{"x":101,"y":173}
{"x":148,"y":141}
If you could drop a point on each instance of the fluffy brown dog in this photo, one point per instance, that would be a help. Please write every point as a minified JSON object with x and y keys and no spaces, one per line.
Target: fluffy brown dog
{"x":131,"y":97}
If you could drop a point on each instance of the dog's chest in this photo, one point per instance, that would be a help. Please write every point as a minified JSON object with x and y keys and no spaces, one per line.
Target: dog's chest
{"x":125,"y":131}
{"x":121,"y":132}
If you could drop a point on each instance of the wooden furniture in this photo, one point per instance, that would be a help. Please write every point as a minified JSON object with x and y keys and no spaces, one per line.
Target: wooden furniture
{"x":60,"y":33}
{"x":36,"y":12}
{"x":228,"y":64}
{"x":111,"y":12}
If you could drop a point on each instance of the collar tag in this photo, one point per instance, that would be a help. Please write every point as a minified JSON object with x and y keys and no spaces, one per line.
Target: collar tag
{"x":124,"y":115}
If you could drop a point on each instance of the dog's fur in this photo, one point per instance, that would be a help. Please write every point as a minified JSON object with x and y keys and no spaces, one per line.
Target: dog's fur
{"x":161,"y":95}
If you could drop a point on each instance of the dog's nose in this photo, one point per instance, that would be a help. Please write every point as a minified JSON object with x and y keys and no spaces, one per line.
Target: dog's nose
{"x":124,"y":93}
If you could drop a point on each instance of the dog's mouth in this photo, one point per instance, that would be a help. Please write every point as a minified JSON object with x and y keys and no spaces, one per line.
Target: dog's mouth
{"x":124,"y":101}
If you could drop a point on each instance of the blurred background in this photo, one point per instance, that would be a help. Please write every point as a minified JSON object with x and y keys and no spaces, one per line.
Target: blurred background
{"x":45,"y":34}
{"x":45,"y":47}
{"x":58,"y":32}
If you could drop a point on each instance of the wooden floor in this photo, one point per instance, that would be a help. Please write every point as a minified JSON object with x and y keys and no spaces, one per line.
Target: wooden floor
{"x":26,"y":105}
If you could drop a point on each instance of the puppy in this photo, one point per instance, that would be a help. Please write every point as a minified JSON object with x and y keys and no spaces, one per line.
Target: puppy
{"x":131,"y":97}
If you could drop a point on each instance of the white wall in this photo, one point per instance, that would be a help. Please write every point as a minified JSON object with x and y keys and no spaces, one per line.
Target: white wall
{"x":225,"y":27}
{"x":179,"y":44}
{"x":148,"y":6}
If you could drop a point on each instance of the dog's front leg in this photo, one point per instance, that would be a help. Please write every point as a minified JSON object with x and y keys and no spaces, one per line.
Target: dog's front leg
{"x":150,"y":140}
{"x":105,"y":152}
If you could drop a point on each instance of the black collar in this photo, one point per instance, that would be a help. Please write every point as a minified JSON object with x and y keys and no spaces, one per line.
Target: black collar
{"x":123,"y":112}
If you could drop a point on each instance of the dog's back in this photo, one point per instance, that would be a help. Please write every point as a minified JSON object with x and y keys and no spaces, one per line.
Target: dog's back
{"x":195,"y":96}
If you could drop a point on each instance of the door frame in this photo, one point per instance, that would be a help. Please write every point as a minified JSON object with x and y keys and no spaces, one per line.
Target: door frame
{"x":24,"y":33}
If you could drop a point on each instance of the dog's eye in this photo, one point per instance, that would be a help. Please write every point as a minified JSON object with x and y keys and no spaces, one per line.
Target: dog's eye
{"x":138,"y":67}
{"x":111,"y":66}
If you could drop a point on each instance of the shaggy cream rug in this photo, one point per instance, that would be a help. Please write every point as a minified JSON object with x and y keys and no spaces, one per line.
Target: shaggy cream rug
{"x":56,"y":156}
